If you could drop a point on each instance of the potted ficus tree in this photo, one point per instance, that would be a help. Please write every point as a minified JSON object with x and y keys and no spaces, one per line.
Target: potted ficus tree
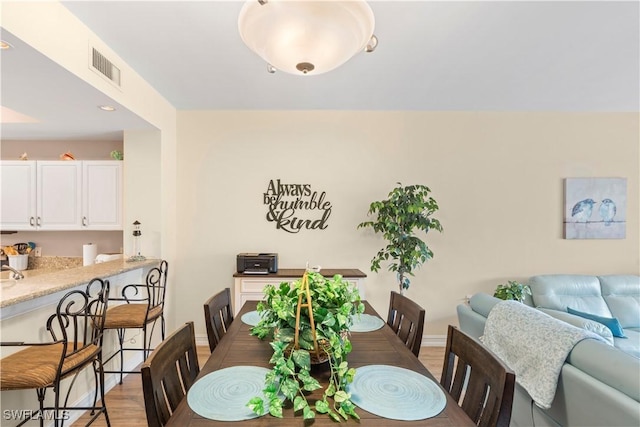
{"x":334,"y":302}
{"x":403,"y":219}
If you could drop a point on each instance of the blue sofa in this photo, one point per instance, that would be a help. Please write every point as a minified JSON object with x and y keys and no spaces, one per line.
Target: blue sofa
{"x":599,"y":383}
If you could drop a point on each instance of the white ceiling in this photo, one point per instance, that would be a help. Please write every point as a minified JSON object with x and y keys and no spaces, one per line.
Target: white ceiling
{"x":432,"y":56}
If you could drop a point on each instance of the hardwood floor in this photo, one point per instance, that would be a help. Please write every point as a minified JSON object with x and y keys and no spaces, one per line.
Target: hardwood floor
{"x":126,"y":404}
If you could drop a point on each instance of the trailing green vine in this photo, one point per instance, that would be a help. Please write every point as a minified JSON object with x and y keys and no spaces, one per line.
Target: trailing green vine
{"x":335,"y":301}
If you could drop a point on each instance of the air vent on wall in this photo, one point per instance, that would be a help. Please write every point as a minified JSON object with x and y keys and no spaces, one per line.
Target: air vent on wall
{"x":105,"y":67}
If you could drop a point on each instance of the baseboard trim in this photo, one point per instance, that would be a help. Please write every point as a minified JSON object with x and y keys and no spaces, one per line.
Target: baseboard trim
{"x":434,"y":340}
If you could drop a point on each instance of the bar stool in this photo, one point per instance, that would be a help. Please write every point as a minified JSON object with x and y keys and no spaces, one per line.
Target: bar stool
{"x":76,"y":330}
{"x":143,"y":307}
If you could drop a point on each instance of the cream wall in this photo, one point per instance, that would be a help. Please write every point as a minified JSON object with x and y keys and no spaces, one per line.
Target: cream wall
{"x":498,"y":178}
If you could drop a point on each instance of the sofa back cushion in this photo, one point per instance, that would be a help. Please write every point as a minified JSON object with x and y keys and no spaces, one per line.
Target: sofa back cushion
{"x":622,"y":295}
{"x":559,"y":291}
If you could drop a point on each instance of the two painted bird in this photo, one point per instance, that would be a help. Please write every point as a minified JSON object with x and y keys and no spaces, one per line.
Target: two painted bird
{"x":583,"y":210}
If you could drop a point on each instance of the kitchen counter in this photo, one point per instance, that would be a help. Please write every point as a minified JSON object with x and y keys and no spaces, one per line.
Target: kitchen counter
{"x":39,"y":283}
{"x":27,"y":304}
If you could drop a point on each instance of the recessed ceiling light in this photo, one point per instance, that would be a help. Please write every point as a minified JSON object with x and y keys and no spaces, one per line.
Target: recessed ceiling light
{"x":4,"y":45}
{"x":107,"y":108}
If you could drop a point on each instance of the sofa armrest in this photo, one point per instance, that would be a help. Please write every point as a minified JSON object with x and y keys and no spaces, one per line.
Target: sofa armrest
{"x":581,"y":322}
{"x":470,"y":322}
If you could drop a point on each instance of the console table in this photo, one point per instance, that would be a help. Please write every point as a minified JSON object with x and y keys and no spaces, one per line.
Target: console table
{"x":248,"y":287}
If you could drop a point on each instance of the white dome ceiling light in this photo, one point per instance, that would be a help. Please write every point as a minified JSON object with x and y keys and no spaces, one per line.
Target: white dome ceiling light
{"x":307,"y":36}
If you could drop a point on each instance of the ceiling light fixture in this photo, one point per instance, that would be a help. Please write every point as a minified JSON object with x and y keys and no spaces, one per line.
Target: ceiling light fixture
{"x":5,"y":45}
{"x":307,"y":36}
{"x":107,"y":108}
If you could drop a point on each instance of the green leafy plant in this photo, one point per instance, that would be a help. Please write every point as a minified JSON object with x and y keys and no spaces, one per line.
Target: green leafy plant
{"x":406,"y":212}
{"x":512,"y":290}
{"x":334,"y":303}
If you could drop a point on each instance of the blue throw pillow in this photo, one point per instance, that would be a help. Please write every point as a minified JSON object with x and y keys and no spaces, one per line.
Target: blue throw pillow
{"x":611,"y":323}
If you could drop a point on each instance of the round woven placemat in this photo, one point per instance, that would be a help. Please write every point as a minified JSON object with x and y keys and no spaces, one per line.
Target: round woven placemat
{"x":396,"y":393}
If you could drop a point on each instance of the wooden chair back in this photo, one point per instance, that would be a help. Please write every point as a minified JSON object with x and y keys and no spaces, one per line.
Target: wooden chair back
{"x":168,"y":374}
{"x":406,"y":318}
{"x":478,"y":380}
{"x":218,"y":316}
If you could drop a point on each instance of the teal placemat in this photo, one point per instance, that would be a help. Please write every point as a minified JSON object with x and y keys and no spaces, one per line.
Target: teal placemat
{"x":366,"y":323}
{"x":396,"y":393}
{"x":251,"y":318}
{"x":223,"y":395}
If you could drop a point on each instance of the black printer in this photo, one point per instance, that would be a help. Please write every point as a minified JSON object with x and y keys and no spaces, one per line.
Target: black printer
{"x":257,"y":263}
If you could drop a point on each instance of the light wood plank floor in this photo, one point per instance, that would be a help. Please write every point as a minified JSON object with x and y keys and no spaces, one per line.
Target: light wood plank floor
{"x":126,"y":404}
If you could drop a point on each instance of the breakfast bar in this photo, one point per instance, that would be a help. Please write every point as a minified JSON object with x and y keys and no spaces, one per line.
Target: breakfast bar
{"x":27,"y":303}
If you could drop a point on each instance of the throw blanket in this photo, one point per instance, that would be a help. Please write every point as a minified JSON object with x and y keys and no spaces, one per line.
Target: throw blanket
{"x":533,"y":344}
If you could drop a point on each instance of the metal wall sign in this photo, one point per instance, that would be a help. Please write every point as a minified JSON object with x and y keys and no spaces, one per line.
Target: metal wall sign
{"x":293,"y":207}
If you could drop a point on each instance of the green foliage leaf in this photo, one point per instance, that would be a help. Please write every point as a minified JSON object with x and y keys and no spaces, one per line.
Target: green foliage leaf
{"x":302,"y":359}
{"x":322,"y":406}
{"x":289,"y":388}
{"x":299,"y":402}
{"x":307,"y":413}
{"x":256,"y":404}
{"x":275,"y":408}
{"x":340,"y":396}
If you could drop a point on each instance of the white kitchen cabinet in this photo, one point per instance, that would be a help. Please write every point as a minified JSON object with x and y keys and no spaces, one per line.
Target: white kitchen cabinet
{"x":61,"y":195}
{"x":101,"y":195}
{"x":18,"y":192}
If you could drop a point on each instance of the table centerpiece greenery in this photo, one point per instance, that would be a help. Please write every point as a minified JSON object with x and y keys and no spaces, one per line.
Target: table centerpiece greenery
{"x":334,"y":302}
{"x":406,"y":211}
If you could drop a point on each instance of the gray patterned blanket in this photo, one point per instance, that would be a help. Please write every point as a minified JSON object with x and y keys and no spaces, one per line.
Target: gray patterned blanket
{"x":533,"y":344}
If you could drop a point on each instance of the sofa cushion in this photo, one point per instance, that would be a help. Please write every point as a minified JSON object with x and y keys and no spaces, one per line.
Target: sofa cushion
{"x":559,"y":291}
{"x":581,"y":322}
{"x":622,"y":295}
{"x":631,"y":345}
{"x":610,"y":322}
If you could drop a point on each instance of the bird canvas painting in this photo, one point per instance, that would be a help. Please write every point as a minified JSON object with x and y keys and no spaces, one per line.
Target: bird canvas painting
{"x":595,"y":208}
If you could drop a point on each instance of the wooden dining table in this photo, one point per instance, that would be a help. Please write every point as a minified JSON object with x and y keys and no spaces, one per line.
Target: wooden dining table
{"x":379,"y":347}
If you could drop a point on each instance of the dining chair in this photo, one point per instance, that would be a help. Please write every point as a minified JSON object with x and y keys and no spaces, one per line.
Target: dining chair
{"x":479,"y":381}
{"x":168,"y":374}
{"x":218,"y":316}
{"x":76,"y":331}
{"x":406,"y":319}
{"x":142,"y":308}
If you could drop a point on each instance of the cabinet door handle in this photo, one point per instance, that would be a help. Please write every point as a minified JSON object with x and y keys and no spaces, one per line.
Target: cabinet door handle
{"x":38,"y":222}
{"x":84,"y":221}
{"x":32,"y":221}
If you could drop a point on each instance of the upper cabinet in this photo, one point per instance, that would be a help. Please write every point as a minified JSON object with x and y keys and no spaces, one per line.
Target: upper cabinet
{"x":18,"y":186}
{"x":59,"y":190}
{"x":102,"y":195}
{"x":61,"y":195}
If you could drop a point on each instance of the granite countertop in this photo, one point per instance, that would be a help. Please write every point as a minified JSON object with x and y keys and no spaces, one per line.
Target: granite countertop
{"x":41,"y":282}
